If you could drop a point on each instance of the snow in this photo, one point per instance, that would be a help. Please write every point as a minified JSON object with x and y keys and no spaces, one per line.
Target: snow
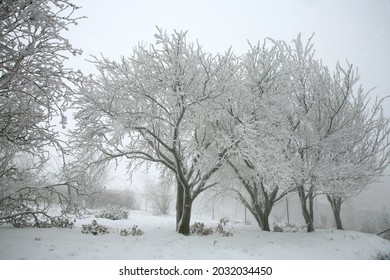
{"x":160,"y":241}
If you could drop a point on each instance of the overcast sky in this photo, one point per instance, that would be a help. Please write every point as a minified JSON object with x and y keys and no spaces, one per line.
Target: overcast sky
{"x":357,"y":30}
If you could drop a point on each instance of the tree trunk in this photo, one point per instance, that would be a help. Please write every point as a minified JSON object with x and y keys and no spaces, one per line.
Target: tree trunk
{"x":258,"y":220}
{"x":311,"y":206}
{"x":183,"y":209}
{"x":179,"y":203}
{"x":335,"y":202}
{"x":305,"y":212}
{"x":265,"y":221}
{"x":262,"y":217}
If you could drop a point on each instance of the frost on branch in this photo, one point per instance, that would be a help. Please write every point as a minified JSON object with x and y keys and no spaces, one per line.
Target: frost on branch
{"x":161,"y":107}
{"x":35,"y":89}
{"x":264,"y":124}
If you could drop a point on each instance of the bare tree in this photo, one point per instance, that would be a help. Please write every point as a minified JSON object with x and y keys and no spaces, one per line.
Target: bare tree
{"x":160,"y":106}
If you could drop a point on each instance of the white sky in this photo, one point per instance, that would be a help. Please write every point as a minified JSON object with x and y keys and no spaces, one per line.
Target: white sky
{"x":357,"y":30}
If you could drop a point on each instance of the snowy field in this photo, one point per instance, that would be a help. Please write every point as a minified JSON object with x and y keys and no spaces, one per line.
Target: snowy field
{"x":160,"y":241}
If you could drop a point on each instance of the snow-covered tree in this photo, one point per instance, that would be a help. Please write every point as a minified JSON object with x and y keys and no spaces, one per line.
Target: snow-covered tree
{"x":261,"y":162}
{"x":34,"y":90}
{"x":160,"y":106}
{"x":356,"y":150}
{"x":306,"y":88}
{"x":341,"y":145}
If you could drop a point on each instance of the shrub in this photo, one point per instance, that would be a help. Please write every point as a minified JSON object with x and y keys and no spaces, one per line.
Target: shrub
{"x":94,"y":228}
{"x":59,"y":222}
{"x":113,"y":213}
{"x":221,"y":227}
{"x":135,"y":231}
{"x":201,"y":229}
{"x":278,"y":228}
{"x":284,"y":227}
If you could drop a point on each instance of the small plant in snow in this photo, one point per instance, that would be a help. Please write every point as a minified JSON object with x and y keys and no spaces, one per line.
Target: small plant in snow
{"x":114,"y":213}
{"x":135,"y":231}
{"x":221,"y":228}
{"x":94,"y":228}
{"x":278,"y":228}
{"x":281,"y":227}
{"x":201,"y":229}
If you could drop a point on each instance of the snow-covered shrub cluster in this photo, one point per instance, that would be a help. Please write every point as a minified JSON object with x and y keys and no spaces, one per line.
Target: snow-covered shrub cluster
{"x":283,"y":227}
{"x":201,"y":229}
{"x":134,"y":231}
{"x":113,"y":213}
{"x":94,"y":228}
{"x":221,"y":228}
{"x":59,"y":222}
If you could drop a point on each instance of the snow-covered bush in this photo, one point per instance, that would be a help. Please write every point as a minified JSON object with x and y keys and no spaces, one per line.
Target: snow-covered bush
{"x":278,"y":228}
{"x":221,"y":228}
{"x":134,"y":231}
{"x":201,"y":229}
{"x":94,"y":228}
{"x":113,"y":213}
{"x":59,"y":222}
{"x":282,"y":227}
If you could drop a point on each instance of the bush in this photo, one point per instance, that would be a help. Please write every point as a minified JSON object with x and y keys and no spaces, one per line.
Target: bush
{"x":278,"y":228}
{"x":201,"y":229}
{"x":114,"y":213}
{"x":94,"y":228}
{"x":135,"y":231}
{"x":59,"y":222}
{"x":221,"y":227}
{"x":284,"y":227}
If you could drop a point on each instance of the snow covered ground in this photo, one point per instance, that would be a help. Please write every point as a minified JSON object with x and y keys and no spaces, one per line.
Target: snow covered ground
{"x":160,"y":241}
